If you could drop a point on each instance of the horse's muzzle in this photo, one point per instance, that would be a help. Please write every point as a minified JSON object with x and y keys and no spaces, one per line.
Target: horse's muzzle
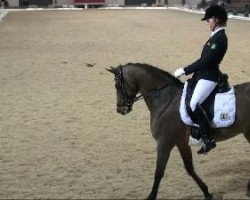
{"x":124,"y":109}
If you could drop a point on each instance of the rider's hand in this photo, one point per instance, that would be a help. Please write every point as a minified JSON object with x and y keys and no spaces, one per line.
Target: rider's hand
{"x":179,"y":72}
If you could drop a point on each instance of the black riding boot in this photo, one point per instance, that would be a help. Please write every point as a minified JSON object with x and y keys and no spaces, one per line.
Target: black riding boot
{"x":209,"y":142}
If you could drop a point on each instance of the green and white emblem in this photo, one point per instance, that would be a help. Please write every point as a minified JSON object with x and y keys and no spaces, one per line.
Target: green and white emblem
{"x":213,"y":46}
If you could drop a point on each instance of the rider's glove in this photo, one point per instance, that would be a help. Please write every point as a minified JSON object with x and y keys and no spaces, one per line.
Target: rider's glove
{"x":179,"y":72}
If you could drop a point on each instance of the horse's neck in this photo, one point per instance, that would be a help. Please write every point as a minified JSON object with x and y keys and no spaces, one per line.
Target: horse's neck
{"x":163,"y":98}
{"x":148,"y":84}
{"x":156,"y":90}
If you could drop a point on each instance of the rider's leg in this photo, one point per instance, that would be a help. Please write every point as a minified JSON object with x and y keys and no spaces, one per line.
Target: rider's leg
{"x":202,"y":90}
{"x":204,"y":122}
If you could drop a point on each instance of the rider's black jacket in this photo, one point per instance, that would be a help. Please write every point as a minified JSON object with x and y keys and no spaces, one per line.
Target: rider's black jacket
{"x":207,"y":67}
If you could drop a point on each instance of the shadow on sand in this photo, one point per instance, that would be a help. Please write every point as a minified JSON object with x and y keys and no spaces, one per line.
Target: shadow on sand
{"x":238,"y":183}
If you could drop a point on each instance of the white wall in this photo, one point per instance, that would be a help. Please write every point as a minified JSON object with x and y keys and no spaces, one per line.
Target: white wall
{"x":115,"y":2}
{"x":3,"y":12}
{"x":63,"y":2}
{"x":192,"y":3}
{"x":174,"y":3}
{"x":13,"y":3}
{"x":160,"y":2}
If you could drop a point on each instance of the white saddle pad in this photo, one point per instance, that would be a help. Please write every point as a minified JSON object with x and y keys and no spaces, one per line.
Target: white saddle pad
{"x":224,"y":109}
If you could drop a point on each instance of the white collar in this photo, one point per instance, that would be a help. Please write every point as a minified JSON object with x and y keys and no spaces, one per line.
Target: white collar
{"x":217,"y":30}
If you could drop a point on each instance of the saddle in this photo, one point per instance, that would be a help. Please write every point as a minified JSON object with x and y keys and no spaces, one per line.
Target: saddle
{"x":208,"y":104}
{"x":220,"y":106}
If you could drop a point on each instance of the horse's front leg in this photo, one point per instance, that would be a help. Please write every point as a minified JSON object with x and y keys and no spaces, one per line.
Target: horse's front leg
{"x":163,"y":152}
{"x":247,"y":136}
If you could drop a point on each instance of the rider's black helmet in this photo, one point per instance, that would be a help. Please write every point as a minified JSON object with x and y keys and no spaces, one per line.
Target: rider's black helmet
{"x":216,"y":11}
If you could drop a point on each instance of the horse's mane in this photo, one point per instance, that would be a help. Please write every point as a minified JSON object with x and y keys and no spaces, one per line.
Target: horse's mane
{"x":155,"y":70}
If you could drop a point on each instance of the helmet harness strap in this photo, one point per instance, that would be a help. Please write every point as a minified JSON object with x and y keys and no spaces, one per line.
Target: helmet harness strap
{"x":216,"y":23}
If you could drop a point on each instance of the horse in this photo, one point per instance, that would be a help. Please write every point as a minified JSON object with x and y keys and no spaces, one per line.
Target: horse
{"x":161,"y":92}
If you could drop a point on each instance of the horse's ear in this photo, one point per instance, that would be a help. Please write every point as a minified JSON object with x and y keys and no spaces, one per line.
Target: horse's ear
{"x":112,"y":70}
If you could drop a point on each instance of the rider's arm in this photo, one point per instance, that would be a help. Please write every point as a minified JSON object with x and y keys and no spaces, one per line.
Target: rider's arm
{"x":212,"y":55}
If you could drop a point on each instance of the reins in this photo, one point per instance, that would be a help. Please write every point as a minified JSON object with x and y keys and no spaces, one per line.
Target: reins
{"x":150,"y":94}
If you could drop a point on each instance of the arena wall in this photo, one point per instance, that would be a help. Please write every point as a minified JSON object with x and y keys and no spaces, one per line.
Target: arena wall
{"x":115,"y":2}
{"x":173,"y":3}
{"x":63,"y":2}
{"x":13,"y":3}
{"x":192,"y":3}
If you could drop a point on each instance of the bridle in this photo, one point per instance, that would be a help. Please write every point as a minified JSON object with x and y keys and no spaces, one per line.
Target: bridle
{"x":128,"y":101}
{"x":122,"y":83}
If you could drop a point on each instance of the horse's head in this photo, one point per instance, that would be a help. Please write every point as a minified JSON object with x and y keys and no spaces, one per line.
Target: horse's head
{"x":125,"y":89}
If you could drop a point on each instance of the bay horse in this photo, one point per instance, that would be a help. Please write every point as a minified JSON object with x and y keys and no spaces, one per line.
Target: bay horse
{"x":162,"y":92}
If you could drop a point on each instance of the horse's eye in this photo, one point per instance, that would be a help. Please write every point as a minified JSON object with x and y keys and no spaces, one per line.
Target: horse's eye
{"x":117,"y":85}
{"x":117,"y":82}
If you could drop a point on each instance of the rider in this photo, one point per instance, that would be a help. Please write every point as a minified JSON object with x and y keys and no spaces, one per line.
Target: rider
{"x":206,"y":70}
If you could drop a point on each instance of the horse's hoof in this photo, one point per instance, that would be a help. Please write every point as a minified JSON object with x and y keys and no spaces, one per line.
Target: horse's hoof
{"x":151,"y":197}
{"x":248,"y":190}
{"x":209,"y":197}
{"x":248,"y":195}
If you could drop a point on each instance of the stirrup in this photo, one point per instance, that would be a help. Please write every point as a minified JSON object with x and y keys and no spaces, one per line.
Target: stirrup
{"x":208,"y":146}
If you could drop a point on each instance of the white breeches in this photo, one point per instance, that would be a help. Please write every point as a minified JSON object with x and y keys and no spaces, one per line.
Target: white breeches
{"x":202,"y":90}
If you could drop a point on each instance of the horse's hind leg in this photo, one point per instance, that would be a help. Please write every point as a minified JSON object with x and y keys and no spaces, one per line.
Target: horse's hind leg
{"x":247,"y":136}
{"x":186,"y":155}
{"x":248,"y":189}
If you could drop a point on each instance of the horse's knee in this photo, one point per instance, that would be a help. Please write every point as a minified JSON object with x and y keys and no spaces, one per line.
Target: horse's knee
{"x":190,"y":169}
{"x":188,"y":163}
{"x":186,"y":155}
{"x":159,"y":173}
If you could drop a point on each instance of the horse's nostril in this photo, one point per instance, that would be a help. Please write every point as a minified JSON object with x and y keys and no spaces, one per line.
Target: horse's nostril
{"x":118,"y":110}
